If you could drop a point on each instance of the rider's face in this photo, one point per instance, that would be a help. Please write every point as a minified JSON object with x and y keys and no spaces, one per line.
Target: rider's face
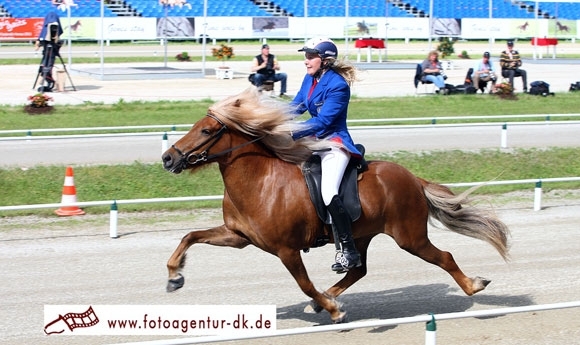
{"x":313,"y":62}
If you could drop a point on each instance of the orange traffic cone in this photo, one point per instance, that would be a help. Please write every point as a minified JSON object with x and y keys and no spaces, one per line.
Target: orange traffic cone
{"x":69,"y":196}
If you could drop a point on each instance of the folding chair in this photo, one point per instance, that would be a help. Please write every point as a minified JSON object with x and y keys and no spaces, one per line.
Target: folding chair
{"x":419,"y":79}
{"x":267,"y":85}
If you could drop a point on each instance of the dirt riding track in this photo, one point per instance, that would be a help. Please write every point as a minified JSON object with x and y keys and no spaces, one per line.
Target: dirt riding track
{"x":73,"y":261}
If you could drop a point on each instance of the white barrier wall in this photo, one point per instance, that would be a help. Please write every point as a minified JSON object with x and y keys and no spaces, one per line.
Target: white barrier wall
{"x":139,"y":28}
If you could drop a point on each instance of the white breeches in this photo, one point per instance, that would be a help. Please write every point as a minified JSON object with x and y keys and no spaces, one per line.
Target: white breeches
{"x":333,"y":164}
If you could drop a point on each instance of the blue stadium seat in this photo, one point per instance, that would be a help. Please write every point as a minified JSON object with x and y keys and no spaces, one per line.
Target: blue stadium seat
{"x":316,"y":8}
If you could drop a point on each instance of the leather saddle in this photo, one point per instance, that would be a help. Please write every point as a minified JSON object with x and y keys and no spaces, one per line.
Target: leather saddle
{"x":348,"y":191}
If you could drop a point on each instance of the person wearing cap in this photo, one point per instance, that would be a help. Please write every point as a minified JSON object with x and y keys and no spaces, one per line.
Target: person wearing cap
{"x":484,"y":71}
{"x":264,"y":68}
{"x":510,"y":63}
{"x":325,"y":94}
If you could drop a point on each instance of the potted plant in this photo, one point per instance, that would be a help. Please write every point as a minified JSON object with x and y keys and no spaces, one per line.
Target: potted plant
{"x":445,"y":46}
{"x":504,"y":90}
{"x":223,"y":53}
{"x":183,"y":56}
{"x":464,"y":55}
{"x":39,"y":104}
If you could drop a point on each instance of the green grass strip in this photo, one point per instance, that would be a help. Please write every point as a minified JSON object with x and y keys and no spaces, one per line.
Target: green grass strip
{"x":41,"y":185}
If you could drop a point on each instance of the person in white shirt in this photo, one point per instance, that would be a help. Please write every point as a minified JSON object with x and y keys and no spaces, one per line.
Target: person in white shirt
{"x":484,"y":71}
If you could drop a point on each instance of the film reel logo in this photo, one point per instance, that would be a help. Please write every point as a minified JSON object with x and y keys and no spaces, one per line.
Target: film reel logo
{"x":72,"y":321}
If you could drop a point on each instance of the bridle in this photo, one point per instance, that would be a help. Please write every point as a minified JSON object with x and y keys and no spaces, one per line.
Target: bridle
{"x":191,"y":158}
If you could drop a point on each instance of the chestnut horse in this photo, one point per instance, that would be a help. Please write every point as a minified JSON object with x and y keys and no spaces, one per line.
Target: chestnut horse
{"x":266,"y":202}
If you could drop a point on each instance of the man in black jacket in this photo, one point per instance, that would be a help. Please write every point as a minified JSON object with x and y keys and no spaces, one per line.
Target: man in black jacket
{"x":265,"y":67}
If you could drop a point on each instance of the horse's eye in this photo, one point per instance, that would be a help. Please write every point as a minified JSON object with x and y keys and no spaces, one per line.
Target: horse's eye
{"x":205,"y":131}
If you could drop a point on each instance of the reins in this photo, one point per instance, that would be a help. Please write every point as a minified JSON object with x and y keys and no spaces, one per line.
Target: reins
{"x":193,"y":158}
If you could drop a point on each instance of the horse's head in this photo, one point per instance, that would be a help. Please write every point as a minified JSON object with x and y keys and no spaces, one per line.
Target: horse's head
{"x":193,"y":148}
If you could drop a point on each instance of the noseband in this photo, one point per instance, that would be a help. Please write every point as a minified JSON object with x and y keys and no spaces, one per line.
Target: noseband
{"x":191,"y":158}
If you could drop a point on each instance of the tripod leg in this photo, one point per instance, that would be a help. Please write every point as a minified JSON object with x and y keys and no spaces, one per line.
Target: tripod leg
{"x":38,"y":74}
{"x":36,"y":80}
{"x":66,"y":71}
{"x":43,"y":69}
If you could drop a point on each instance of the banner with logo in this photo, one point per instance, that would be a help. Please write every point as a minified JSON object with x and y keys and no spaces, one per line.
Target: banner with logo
{"x":20,"y":28}
{"x":158,"y":319}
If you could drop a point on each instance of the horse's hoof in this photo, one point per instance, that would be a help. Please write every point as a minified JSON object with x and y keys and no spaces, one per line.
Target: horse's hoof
{"x":479,"y":284}
{"x":342,"y":318}
{"x":312,"y":308}
{"x":174,"y":284}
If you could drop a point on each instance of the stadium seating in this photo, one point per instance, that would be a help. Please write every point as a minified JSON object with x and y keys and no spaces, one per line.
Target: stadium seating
{"x":316,"y":8}
{"x":194,"y":8}
{"x":39,"y":8}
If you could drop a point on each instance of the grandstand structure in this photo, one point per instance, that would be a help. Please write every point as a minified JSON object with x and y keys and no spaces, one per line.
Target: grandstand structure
{"x":512,"y":9}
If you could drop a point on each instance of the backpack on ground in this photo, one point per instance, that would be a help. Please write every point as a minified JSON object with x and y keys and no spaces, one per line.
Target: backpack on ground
{"x":464,"y":89}
{"x":540,"y":88}
{"x":575,"y":86}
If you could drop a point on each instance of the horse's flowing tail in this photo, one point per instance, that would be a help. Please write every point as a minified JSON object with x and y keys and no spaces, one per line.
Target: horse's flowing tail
{"x":455,"y":213}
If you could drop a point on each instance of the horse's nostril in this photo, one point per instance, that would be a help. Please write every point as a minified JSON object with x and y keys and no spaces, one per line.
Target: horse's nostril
{"x":167,"y":160}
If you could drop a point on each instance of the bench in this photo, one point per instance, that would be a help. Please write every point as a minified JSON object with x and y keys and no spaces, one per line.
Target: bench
{"x":545,"y":42}
{"x":369,"y":43}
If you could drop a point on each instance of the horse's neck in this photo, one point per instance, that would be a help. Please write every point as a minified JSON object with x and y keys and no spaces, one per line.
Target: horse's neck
{"x":251,"y":172}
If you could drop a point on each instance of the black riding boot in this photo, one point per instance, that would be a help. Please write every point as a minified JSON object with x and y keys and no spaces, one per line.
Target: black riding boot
{"x":341,"y":225}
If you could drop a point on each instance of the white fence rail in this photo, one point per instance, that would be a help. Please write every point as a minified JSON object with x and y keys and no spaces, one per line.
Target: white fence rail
{"x":363,"y":324}
{"x":537,"y":182}
{"x":114,"y":210}
{"x":29,"y":133}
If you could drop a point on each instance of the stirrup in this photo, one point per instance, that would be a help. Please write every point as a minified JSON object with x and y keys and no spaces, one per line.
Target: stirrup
{"x":342,"y":264}
{"x":338,"y":268}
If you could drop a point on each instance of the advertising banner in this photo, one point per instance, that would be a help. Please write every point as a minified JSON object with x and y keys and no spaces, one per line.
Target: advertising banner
{"x":20,"y":28}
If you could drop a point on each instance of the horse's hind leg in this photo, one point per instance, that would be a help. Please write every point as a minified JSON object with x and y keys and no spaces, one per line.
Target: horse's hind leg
{"x":420,"y":246}
{"x":219,"y":236}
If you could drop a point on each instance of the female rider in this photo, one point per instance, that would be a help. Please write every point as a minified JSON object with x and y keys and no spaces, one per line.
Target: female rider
{"x":325,"y":94}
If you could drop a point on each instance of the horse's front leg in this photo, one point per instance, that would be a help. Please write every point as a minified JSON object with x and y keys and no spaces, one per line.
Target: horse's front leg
{"x":219,"y":236}
{"x":293,"y":261}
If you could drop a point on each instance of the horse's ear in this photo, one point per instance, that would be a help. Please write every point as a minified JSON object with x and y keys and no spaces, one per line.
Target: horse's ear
{"x":238,"y":103}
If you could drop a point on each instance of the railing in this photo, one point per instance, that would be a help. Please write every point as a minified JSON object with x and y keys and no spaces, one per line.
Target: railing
{"x":429,"y":336}
{"x":114,"y":203}
{"x":28,"y":133}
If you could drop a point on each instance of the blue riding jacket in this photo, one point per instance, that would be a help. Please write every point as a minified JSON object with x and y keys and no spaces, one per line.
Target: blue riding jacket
{"x":328,"y":106}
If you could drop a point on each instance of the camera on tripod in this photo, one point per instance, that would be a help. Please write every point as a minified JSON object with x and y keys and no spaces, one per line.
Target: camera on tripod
{"x":49,"y":39}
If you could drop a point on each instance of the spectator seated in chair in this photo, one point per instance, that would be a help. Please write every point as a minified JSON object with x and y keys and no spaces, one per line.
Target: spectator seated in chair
{"x":419,"y":77}
{"x":482,"y":73}
{"x":432,"y":71}
{"x":264,"y":69}
{"x":510,"y":63}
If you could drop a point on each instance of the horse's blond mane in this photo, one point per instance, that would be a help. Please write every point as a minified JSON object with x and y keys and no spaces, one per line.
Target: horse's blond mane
{"x":252,"y":114}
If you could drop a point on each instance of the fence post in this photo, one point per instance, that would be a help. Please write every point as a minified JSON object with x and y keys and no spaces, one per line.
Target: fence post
{"x":504,"y":136}
{"x":538,"y":196}
{"x":431,"y":332}
{"x":164,"y":145}
{"x":113,"y":220}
